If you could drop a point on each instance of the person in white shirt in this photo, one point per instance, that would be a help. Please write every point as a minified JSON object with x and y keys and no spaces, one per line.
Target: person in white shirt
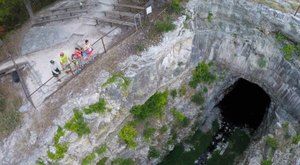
{"x":55,"y":69}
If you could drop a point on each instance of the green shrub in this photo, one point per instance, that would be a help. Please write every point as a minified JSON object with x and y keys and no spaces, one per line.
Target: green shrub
{"x":288,"y":50}
{"x":98,"y":107}
{"x":202,"y":74}
{"x":101,"y":149}
{"x":198,"y":98}
{"x":180,"y":118}
{"x":153,"y":153}
{"x":88,"y":159}
{"x":296,"y":139}
{"x":209,"y":17}
{"x":122,"y":161}
{"x":59,"y":133}
{"x":102,"y":161}
{"x":40,"y":162}
{"x":182,"y":90}
{"x":280,"y":37}
{"x":122,"y":80}
{"x":148,"y":133}
{"x":261,"y":62}
{"x":77,"y":124}
{"x":163,"y":129}
{"x":61,"y":149}
{"x":164,"y":25}
{"x":297,"y":50}
{"x":174,"y":7}
{"x":272,"y":142}
{"x":128,"y":133}
{"x":153,"y":107}
{"x":139,"y":47}
{"x":266,"y":162}
{"x":173,"y":93}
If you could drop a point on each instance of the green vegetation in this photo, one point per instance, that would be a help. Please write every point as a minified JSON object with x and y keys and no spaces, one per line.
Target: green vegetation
{"x":238,"y":142}
{"x":59,"y":133}
{"x":297,"y":50}
{"x":88,"y":159}
{"x":261,"y":62}
{"x":61,"y":149}
{"x":180,"y":118}
{"x":285,"y":127}
{"x":272,"y":142}
{"x":102,"y":161}
{"x":122,"y":161}
{"x":139,"y":47}
{"x":163,"y":129}
{"x":280,"y":37}
{"x":266,"y":162}
{"x":98,"y":107}
{"x":148,"y":133}
{"x":164,"y":25}
{"x":209,"y":17}
{"x":153,"y":107}
{"x":122,"y":80}
{"x":202,"y":74}
{"x":288,"y":50}
{"x":77,"y":124}
{"x":173,"y":93}
{"x":182,"y":90}
{"x":198,"y":98}
{"x":296,"y":139}
{"x":153,"y":153}
{"x":174,"y":7}
{"x":128,"y":133}
{"x":12,"y":13}
{"x":40,"y":162}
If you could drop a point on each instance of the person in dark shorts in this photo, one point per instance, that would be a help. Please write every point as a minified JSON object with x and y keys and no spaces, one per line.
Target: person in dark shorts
{"x":55,"y":70}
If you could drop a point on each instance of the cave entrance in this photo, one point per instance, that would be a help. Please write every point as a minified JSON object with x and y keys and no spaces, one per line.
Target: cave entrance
{"x":245,"y":105}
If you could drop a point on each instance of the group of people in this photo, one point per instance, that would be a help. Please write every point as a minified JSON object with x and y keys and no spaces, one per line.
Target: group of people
{"x":79,"y":58}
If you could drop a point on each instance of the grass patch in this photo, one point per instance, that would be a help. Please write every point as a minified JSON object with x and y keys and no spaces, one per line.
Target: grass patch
{"x":272,"y":142}
{"x":153,"y":107}
{"x":59,"y":133}
{"x":164,"y":25}
{"x":174,"y":7}
{"x":98,"y":107}
{"x":209,"y":17}
{"x":182,"y":90}
{"x":148,"y":133}
{"x":139,"y":47}
{"x":180,"y":119}
{"x":287,"y":51}
{"x":198,"y":98}
{"x":202,"y":74}
{"x":102,"y":161}
{"x":60,"y":149}
{"x":173,"y":93}
{"x":153,"y":153}
{"x":261,"y":62}
{"x":163,"y":129}
{"x":40,"y":162}
{"x":266,"y":162}
{"x":128,"y":133}
{"x":121,"y":80}
{"x":296,"y":139}
{"x":280,"y":37}
{"x":122,"y":161}
{"x":77,"y":124}
{"x":90,"y":157}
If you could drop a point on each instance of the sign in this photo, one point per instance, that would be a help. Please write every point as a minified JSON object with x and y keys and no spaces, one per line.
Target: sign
{"x":149,"y":10}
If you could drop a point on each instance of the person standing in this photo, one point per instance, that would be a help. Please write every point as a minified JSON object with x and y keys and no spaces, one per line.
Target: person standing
{"x":64,"y":61}
{"x":55,"y":70}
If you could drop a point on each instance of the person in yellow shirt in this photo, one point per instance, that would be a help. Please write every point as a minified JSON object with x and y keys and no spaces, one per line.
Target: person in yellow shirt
{"x":64,"y":61}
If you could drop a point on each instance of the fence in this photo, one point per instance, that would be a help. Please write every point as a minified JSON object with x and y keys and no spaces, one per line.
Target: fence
{"x":104,"y":45}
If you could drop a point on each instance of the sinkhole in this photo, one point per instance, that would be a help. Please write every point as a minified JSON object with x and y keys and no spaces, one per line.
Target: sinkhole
{"x":244,"y":105}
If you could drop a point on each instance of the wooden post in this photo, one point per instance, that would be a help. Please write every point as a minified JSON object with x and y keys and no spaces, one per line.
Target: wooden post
{"x":103,"y":44}
{"x":297,"y":10}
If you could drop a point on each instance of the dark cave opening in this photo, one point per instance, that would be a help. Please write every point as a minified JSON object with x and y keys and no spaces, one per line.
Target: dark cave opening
{"x":245,"y":105}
